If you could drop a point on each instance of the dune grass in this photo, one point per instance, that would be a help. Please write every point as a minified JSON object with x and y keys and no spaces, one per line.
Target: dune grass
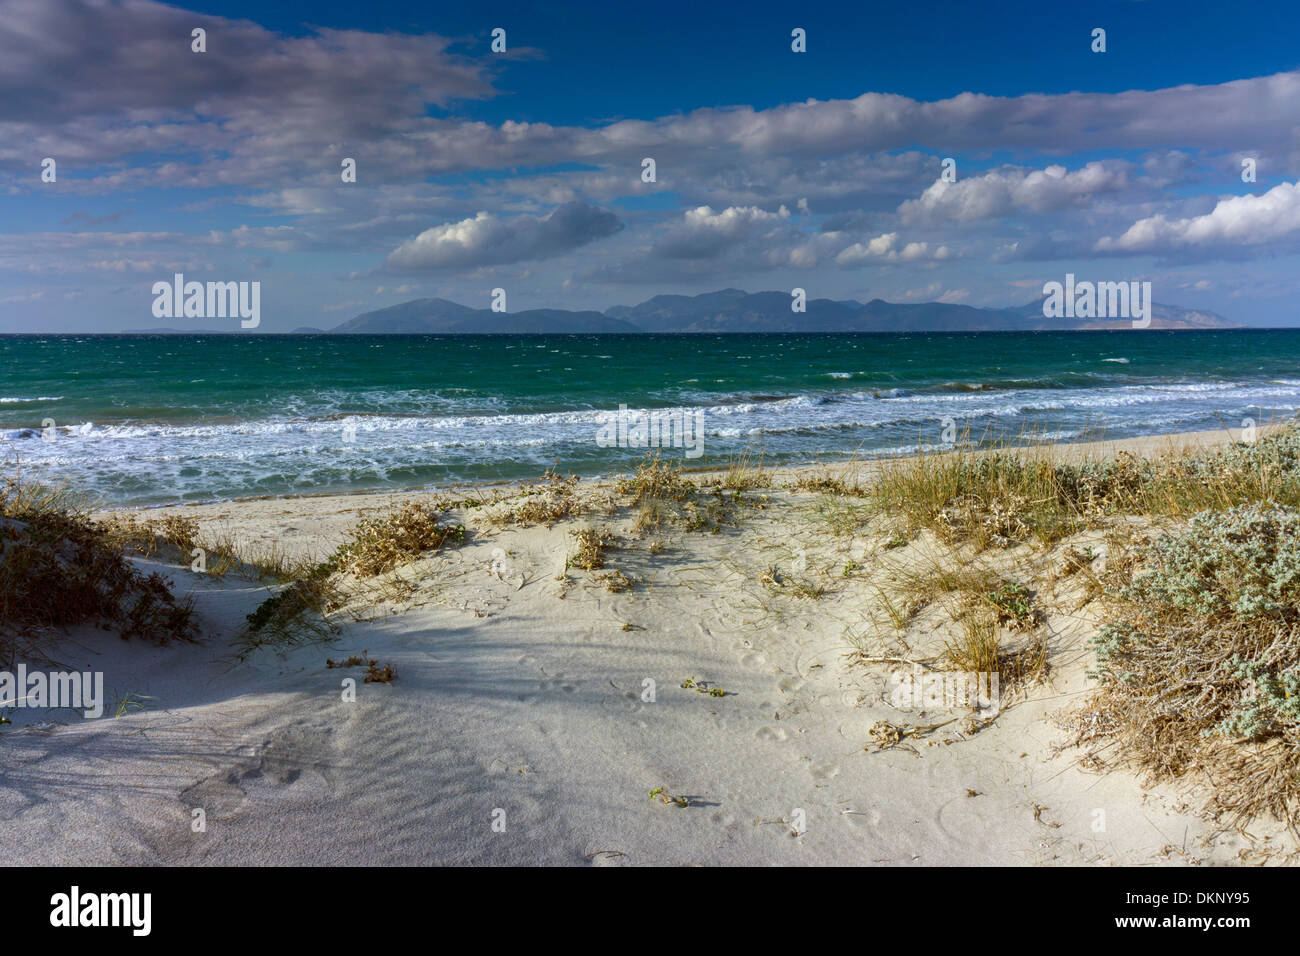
{"x":1004,"y":493}
{"x":591,"y":544}
{"x":746,"y":472}
{"x":553,"y":499}
{"x":399,"y":536}
{"x":60,"y":568}
{"x":301,"y":612}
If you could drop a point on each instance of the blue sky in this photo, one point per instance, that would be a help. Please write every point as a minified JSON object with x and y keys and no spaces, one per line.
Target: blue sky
{"x":522,"y":170}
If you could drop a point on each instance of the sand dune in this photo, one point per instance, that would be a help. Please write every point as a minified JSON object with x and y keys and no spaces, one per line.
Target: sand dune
{"x":521,"y":700}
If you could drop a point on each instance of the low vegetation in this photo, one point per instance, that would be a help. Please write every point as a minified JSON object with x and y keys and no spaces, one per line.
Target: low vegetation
{"x":828,"y":483}
{"x":382,"y":542}
{"x":665,"y":498}
{"x":1199,"y":663}
{"x":746,"y":472}
{"x":999,"y":496}
{"x":1192,"y":558}
{"x":60,"y":568}
{"x":301,"y":611}
{"x":591,"y":545}
{"x":657,"y":481}
{"x":553,"y":499}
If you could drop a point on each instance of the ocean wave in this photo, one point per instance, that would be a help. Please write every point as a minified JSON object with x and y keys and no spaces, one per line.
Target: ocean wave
{"x":328,"y":448}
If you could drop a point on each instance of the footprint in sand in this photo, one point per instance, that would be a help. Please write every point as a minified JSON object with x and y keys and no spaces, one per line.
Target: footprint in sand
{"x":557,"y":683}
{"x":222,"y":795}
{"x":219,"y":796}
{"x":625,"y":703}
{"x":774,"y":734}
{"x":962,"y":821}
{"x":825,"y":771}
{"x":861,"y":818}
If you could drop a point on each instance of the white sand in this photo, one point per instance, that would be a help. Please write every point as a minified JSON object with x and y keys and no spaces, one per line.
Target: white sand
{"x":530,"y":701}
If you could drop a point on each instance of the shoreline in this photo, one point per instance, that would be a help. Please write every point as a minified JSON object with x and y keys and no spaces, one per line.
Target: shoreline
{"x":1144,"y":445}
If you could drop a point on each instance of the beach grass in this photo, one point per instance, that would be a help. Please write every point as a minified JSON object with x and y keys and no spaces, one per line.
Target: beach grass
{"x":60,"y":568}
{"x":1005,"y":492}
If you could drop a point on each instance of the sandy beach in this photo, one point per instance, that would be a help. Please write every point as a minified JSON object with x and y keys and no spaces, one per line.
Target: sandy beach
{"x":535,"y":708}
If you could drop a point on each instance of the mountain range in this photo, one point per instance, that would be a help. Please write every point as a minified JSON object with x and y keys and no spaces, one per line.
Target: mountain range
{"x":733,"y":310}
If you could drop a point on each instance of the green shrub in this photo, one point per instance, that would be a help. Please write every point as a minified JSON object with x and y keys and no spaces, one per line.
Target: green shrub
{"x":1199,"y":665}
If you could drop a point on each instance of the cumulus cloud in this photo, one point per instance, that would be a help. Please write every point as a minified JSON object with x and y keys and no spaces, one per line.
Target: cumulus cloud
{"x":741,"y":239}
{"x":888,"y":247}
{"x":1004,"y":191}
{"x":705,"y":234}
{"x":486,"y":240}
{"x":720,"y":243}
{"x":1238,"y":221}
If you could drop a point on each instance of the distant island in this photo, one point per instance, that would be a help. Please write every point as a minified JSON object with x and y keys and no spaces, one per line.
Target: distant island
{"x":734,"y":310}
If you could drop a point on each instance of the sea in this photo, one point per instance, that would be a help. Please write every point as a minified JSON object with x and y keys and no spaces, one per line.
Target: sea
{"x":159,"y":419}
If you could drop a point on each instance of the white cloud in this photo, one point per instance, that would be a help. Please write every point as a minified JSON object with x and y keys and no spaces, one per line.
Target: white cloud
{"x":705,"y":234}
{"x":1004,"y":191}
{"x":1239,"y":221}
{"x":886,"y":247}
{"x":486,"y":240}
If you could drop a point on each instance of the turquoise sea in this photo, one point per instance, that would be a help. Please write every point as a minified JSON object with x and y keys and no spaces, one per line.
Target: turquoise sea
{"x":151,"y":419}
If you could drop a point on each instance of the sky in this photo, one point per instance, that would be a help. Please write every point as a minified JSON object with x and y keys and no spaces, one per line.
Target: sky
{"x":954,"y":152}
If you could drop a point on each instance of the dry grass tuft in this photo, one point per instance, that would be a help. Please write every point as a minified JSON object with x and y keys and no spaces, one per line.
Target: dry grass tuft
{"x":827,"y":483}
{"x":994,"y":621}
{"x":380,"y":543}
{"x":59,"y":568}
{"x":664,"y":497}
{"x":300,"y":613}
{"x":592,"y":543}
{"x":1007,"y":493}
{"x":616,"y":581}
{"x":656,"y":480}
{"x":746,"y":472}
{"x":979,"y":647}
{"x":841,"y":515}
{"x":552,"y":500}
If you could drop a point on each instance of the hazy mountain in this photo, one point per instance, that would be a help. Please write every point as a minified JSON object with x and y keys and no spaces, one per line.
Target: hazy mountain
{"x":733,"y":310}
{"x":438,"y":316}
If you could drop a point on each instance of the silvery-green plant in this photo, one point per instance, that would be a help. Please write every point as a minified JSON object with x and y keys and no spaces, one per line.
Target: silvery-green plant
{"x":1243,"y":562}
